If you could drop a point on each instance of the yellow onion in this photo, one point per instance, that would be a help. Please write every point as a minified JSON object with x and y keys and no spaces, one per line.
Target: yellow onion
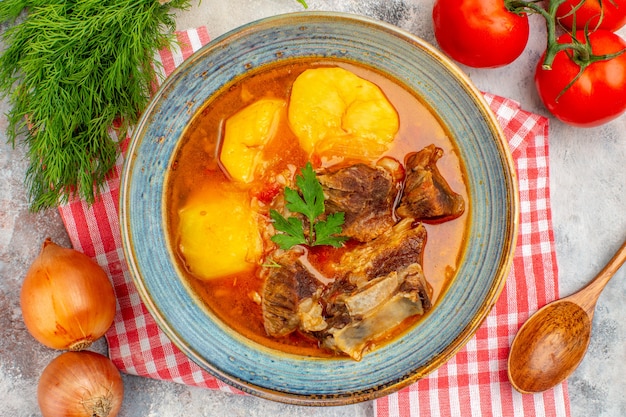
{"x":67,"y":299}
{"x":80,"y":384}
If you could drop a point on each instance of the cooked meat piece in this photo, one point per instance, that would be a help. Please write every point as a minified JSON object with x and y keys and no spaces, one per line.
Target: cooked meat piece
{"x":378,"y":285}
{"x":375,"y":310}
{"x":398,"y":247}
{"x":427,"y":196}
{"x":365,"y":194}
{"x":285,"y":286}
{"x":310,"y":313}
{"x":381,"y":285}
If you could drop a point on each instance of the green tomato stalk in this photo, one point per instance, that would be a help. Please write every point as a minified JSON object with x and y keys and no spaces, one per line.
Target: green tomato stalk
{"x":579,"y":52}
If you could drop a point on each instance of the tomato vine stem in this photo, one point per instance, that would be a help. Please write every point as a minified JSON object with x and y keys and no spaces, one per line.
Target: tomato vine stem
{"x":580,"y":53}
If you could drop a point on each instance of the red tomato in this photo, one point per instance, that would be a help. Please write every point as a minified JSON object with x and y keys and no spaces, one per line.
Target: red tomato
{"x":479,"y":33}
{"x":613,"y":19}
{"x":599,"y":95}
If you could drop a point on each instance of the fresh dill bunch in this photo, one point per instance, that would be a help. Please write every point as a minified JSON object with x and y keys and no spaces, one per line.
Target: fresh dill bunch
{"x":71,"y":70}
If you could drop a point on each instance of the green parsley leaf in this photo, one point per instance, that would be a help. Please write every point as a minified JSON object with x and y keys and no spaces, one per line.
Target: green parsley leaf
{"x":311,"y":205}
{"x":324,"y":231}
{"x":292,"y":228}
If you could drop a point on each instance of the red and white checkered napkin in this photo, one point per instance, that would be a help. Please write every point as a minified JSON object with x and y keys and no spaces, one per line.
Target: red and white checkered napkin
{"x":473,"y":383}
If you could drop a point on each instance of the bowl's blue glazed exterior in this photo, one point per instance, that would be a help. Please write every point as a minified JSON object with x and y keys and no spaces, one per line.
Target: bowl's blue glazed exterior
{"x":295,"y":379}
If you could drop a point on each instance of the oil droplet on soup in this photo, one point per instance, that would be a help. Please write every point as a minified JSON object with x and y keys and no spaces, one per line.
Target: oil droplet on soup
{"x":248,"y":142}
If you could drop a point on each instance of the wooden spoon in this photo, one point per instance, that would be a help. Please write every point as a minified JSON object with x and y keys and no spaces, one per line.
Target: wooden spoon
{"x":551,"y":344}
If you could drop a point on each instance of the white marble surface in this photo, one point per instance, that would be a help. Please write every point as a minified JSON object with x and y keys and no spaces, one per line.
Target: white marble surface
{"x":588,"y":180}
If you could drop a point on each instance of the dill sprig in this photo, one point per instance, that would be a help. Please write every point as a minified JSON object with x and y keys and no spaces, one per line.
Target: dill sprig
{"x":71,"y":70}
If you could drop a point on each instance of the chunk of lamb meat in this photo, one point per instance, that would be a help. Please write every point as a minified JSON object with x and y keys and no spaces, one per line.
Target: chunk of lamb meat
{"x":400,"y":246}
{"x":383,"y":285}
{"x":380,"y":284}
{"x":365,"y":194}
{"x":369,"y":313}
{"x":284,"y":288}
{"x":427,"y":196}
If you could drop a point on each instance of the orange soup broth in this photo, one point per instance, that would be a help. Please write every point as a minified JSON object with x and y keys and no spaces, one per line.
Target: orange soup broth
{"x":235,"y":299}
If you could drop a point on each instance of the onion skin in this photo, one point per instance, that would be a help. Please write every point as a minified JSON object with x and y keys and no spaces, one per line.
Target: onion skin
{"x":80,"y":384}
{"x":66,"y":298}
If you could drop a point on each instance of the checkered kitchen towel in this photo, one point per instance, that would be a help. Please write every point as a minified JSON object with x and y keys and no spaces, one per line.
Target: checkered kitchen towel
{"x":473,"y":383}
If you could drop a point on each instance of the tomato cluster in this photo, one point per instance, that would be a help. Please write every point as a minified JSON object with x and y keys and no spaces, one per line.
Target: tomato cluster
{"x":581,"y":78}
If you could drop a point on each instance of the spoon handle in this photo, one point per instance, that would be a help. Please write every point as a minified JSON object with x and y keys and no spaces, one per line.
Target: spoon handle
{"x":588,"y":296}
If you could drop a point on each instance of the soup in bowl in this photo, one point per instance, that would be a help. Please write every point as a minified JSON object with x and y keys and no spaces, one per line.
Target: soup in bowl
{"x":318,"y":197}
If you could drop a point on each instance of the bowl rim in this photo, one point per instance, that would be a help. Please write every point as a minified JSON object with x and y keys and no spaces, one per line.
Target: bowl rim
{"x":508,"y":246}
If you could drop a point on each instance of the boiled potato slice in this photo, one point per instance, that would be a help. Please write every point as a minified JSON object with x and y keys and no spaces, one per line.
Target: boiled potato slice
{"x":219,"y":234}
{"x":245,"y":135}
{"x":333,"y":112}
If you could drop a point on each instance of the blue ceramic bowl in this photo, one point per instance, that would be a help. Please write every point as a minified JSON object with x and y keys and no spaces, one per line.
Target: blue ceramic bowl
{"x":291,"y":378}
